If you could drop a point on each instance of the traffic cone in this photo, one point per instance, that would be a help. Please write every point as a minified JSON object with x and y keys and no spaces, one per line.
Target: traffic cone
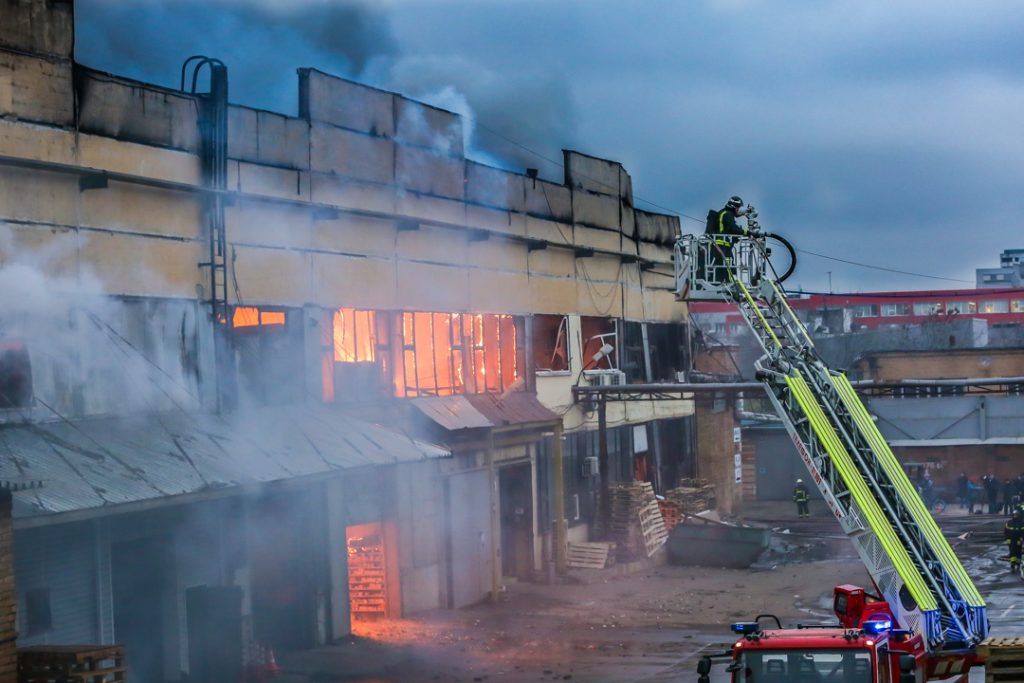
{"x":270,"y":665}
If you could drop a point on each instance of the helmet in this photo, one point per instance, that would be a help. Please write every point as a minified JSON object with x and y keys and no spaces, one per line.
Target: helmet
{"x":799,"y":481}
{"x":734,"y":202}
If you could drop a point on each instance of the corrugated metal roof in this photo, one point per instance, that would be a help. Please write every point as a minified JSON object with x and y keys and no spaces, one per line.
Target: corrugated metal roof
{"x":474,"y":411}
{"x":95,"y":463}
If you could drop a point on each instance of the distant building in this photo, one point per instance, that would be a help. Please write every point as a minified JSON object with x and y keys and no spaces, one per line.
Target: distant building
{"x":1010,"y":272}
{"x":826,"y":314}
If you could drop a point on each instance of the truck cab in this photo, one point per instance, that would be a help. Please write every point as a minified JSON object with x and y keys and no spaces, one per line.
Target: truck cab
{"x":863,"y":647}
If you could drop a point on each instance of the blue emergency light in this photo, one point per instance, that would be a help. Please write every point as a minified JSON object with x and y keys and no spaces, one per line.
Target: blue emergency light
{"x":744,"y":627}
{"x":876,"y":626}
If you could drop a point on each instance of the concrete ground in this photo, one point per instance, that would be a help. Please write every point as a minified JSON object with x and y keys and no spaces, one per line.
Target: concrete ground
{"x":647,"y":627}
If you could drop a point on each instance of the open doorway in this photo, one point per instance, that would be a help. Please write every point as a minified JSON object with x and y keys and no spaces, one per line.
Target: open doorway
{"x":516,"y":495}
{"x":373,"y":578}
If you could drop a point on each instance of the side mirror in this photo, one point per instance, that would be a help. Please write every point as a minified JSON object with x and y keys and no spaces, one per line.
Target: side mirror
{"x":908,"y":666}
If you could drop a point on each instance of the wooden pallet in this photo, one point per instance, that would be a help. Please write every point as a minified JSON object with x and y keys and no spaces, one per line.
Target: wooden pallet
{"x":71,"y":664}
{"x":589,"y":555}
{"x":1004,"y":659}
{"x":653,"y":528}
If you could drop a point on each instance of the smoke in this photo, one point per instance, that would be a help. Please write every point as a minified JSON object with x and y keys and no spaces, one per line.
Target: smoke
{"x":263,"y":42}
{"x":515,"y":120}
{"x":90,"y":354}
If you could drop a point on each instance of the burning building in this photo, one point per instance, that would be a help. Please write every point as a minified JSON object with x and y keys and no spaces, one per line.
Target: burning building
{"x":295,"y":373}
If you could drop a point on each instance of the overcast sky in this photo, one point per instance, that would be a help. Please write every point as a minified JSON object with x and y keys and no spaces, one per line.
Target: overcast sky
{"x":876,"y":131}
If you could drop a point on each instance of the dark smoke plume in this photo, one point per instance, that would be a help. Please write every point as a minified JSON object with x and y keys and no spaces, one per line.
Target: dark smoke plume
{"x":263,"y":42}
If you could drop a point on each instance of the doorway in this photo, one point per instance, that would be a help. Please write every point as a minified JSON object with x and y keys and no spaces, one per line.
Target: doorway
{"x":373,"y":577}
{"x":138,"y":581}
{"x":515,"y":484}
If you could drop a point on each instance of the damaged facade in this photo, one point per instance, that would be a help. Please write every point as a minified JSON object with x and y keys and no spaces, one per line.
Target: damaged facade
{"x":304,"y":369}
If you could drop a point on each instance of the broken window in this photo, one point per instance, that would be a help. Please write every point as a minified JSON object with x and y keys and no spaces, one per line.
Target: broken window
{"x":550,"y":343}
{"x":250,"y":316}
{"x":356,"y":364}
{"x":269,"y":350}
{"x":456,"y":353}
{"x":15,"y":376}
{"x":599,"y":343}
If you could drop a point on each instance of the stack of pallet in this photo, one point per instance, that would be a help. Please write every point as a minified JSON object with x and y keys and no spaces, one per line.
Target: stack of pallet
{"x":1004,"y":659}
{"x":71,"y":664}
{"x":671,"y":514}
{"x":637,"y":527}
{"x":693,"y":496}
{"x":366,"y":577}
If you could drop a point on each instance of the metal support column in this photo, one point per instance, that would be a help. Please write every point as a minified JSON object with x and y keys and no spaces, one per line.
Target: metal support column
{"x":558,"y":499}
{"x":602,"y":464}
{"x":492,"y":483}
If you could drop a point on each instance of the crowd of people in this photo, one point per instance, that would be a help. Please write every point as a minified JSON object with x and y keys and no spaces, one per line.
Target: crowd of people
{"x":988,"y":494}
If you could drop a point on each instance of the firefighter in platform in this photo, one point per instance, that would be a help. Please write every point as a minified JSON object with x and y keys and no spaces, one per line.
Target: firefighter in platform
{"x":802,"y":497}
{"x":1014,"y":533}
{"x":722,"y":226}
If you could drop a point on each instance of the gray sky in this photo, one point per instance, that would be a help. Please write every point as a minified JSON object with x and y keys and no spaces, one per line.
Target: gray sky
{"x":882,"y":132}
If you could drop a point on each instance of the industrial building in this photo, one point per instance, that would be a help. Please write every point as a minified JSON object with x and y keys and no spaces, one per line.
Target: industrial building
{"x":307,"y":372}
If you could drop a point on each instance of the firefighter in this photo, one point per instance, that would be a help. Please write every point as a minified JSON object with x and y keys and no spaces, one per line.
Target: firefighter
{"x":801,"y":496}
{"x":723,"y":226}
{"x":991,"y":492}
{"x":1014,"y":533}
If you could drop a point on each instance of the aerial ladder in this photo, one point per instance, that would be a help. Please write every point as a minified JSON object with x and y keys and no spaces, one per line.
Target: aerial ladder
{"x":912,"y":565}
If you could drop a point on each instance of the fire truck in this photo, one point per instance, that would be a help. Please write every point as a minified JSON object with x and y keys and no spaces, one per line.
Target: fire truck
{"x":923,"y":619}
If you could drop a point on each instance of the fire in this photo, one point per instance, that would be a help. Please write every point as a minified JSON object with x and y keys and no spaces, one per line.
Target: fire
{"x":429,"y":353}
{"x":250,"y":316}
{"x":355,"y":336}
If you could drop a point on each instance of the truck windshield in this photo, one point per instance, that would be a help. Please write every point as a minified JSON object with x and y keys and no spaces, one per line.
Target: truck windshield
{"x":805,"y":666}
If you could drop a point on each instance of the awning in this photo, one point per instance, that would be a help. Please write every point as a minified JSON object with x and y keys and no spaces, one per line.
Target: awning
{"x":95,"y":464}
{"x":483,"y":411}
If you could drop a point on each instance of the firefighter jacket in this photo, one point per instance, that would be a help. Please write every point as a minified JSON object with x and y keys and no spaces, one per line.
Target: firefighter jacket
{"x":1014,"y":532}
{"x":800,"y":494}
{"x":723,"y":223}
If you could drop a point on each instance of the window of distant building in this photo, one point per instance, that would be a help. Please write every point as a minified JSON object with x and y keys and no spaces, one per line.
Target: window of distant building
{"x":865,"y":311}
{"x":1017,"y":306}
{"x":927,"y":308}
{"x":961,"y":307}
{"x":995,"y":306}
{"x":892,"y":310}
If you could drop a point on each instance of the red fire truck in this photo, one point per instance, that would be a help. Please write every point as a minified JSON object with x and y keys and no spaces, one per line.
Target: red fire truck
{"x":863,"y":646}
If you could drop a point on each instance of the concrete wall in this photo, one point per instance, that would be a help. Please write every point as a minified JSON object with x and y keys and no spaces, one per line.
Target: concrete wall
{"x":948,"y":364}
{"x":380,"y":159}
{"x":945,"y":463}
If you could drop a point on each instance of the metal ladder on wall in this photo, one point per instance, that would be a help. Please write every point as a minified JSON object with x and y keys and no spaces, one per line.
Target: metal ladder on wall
{"x":908,"y":558}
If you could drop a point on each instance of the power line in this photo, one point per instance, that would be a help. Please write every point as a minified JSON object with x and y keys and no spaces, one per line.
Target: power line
{"x":702,"y":221}
{"x":888,"y":270}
